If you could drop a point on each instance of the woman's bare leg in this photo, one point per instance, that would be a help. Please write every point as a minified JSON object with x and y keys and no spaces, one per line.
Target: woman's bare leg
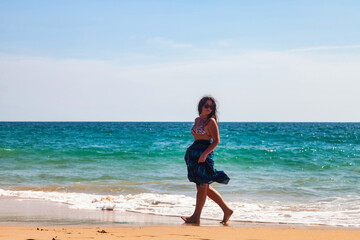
{"x":202,"y":191}
{"x":216,"y":197}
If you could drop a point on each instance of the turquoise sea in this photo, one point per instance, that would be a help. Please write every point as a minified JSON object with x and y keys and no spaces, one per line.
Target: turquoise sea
{"x":283,"y":172}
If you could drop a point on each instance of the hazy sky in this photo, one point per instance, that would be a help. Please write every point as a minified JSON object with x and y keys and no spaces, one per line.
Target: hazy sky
{"x":153,"y":60}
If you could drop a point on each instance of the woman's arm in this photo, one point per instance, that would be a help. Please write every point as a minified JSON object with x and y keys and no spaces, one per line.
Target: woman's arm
{"x":214,"y":131}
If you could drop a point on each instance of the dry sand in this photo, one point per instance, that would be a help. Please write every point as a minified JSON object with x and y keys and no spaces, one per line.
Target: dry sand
{"x":171,"y":232}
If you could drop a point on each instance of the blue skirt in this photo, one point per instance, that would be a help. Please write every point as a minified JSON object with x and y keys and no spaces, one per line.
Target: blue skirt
{"x":203,"y":172}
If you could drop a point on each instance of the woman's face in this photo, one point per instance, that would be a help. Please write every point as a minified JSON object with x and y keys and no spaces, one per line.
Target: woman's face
{"x":208,"y":107}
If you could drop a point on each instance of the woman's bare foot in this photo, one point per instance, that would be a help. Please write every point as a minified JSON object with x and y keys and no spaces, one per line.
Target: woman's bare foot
{"x":190,"y":220}
{"x":227,"y":216}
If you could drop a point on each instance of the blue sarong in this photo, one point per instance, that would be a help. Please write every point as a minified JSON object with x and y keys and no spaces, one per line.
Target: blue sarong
{"x":203,"y":172}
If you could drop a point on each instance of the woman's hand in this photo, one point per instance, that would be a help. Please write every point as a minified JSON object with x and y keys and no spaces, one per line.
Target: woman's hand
{"x":202,"y":158}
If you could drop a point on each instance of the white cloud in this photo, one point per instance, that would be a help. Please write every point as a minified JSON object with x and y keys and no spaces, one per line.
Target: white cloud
{"x":324,"y":48}
{"x":256,"y":86}
{"x":169,"y":43}
{"x":224,"y":43}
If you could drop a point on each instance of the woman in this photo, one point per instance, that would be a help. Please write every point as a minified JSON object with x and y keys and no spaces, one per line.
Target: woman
{"x":199,"y":160}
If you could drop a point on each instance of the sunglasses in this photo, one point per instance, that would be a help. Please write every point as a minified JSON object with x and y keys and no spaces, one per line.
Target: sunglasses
{"x":207,"y":106}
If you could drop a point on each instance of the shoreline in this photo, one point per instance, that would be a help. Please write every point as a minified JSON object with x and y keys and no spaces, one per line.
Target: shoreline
{"x":42,"y":220}
{"x":16,"y":211}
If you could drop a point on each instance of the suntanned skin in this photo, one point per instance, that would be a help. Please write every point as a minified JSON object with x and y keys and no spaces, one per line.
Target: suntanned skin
{"x":205,"y":190}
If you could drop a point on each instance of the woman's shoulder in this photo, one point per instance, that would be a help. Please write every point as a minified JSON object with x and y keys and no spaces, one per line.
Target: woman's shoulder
{"x":211,"y":121}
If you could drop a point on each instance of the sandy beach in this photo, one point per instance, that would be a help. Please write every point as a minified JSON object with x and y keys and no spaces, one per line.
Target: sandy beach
{"x":172,"y":232}
{"x":26,"y":219}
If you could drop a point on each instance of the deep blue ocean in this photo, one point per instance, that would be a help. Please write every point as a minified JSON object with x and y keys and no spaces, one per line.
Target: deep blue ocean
{"x":280,"y":172}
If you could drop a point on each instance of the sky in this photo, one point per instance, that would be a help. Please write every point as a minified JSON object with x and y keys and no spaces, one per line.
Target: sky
{"x":263,"y":61}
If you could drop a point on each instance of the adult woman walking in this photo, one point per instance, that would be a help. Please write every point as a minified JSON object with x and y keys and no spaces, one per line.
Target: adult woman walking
{"x":199,"y":159}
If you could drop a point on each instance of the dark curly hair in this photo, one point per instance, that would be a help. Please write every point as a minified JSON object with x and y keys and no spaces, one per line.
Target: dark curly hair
{"x":213,"y":113}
